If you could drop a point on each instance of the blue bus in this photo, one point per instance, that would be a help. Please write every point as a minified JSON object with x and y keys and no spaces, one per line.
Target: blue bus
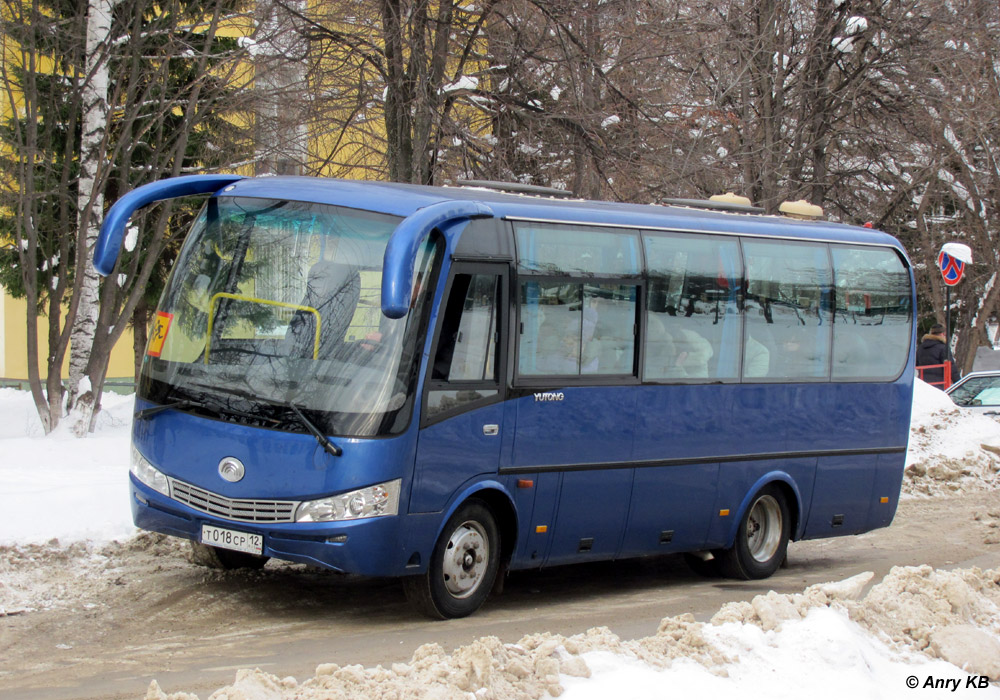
{"x":448,"y":384}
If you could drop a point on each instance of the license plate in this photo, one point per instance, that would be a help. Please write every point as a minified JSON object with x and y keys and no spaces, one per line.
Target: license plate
{"x":231,"y":539}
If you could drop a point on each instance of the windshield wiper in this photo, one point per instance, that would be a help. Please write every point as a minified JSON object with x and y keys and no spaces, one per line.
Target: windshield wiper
{"x":320,"y":437}
{"x":209,"y":404}
{"x":303,"y":421}
{"x":181,"y":403}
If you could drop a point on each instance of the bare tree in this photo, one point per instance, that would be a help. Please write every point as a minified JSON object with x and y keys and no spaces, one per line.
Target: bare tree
{"x":173,"y":109}
{"x":280,"y":52}
{"x":90,"y":195}
{"x":390,"y":80}
{"x":948,"y":178}
{"x":39,"y":89}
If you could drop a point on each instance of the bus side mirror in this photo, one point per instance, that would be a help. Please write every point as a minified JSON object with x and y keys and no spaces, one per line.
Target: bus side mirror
{"x":109,"y":240}
{"x":401,"y":252}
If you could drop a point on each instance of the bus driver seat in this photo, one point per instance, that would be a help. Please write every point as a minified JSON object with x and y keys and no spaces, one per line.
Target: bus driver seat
{"x":333,"y":289}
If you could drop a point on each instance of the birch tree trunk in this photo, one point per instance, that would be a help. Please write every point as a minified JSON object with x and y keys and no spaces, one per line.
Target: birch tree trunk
{"x":79,"y":396}
{"x":280,"y":56}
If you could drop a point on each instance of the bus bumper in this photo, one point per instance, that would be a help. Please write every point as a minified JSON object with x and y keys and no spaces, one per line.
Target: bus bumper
{"x":368,"y":547}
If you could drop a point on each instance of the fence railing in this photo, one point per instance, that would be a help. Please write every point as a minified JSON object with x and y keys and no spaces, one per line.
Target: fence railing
{"x":945,"y":383}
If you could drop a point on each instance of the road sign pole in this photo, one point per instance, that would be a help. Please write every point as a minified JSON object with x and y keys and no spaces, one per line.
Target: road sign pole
{"x":947,"y":318}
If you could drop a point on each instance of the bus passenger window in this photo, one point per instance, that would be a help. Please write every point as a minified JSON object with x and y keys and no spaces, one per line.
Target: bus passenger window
{"x":871,"y":330}
{"x":571,"y":328}
{"x":552,"y":320}
{"x":788,"y":314}
{"x":693,"y":318}
{"x":576,"y":316}
{"x":467,"y":344}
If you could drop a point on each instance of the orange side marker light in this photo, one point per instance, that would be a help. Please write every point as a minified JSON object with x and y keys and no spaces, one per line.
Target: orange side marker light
{"x":541,"y":529}
{"x":724,"y":512}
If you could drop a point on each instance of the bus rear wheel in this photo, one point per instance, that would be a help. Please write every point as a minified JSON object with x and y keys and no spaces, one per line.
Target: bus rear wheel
{"x":761,"y":540}
{"x":218,"y":558}
{"x":463,"y":566}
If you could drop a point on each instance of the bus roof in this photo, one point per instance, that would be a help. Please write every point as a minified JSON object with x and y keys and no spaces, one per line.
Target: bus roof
{"x":405,"y":199}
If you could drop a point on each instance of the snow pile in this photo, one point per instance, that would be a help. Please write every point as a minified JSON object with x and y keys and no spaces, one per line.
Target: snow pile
{"x":62,"y":486}
{"x":916,"y":622}
{"x":952,"y":449}
{"x":952,"y":615}
{"x":54,"y":575}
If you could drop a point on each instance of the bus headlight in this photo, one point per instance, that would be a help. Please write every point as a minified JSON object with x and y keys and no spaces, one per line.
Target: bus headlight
{"x":148,"y":474}
{"x":370,"y":502}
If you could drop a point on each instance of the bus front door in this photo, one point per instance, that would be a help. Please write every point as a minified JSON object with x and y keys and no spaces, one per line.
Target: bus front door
{"x":462,"y":417}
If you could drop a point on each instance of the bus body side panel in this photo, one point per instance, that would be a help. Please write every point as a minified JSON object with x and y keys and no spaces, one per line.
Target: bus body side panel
{"x":453,"y":451}
{"x":888,"y":482}
{"x":536,"y":511}
{"x":671,"y":509}
{"x":849,"y":488}
{"x":591,"y":517}
{"x":676,"y":422}
{"x":579,"y":430}
{"x":842,"y":495}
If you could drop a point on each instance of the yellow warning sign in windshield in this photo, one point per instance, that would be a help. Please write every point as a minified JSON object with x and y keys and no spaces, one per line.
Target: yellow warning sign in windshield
{"x":159,"y":333}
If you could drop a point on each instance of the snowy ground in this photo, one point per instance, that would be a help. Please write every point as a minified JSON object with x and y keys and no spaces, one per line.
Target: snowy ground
{"x":832,"y":640}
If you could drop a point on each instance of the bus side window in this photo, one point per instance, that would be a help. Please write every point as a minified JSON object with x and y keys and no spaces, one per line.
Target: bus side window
{"x":693,"y":315}
{"x":464,"y":370}
{"x":788,"y":312}
{"x":571,"y":328}
{"x":578,"y":300}
{"x":871,"y":330}
{"x":467,"y":345}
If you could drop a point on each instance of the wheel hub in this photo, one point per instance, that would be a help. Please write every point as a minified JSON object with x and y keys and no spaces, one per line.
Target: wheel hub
{"x":465,"y":559}
{"x":764,"y":528}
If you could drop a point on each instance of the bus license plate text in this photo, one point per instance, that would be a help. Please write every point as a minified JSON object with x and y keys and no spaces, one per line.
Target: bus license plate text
{"x":230,"y":539}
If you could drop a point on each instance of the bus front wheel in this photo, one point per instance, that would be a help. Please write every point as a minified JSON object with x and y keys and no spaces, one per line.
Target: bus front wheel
{"x":761,"y":540}
{"x":463,"y":566}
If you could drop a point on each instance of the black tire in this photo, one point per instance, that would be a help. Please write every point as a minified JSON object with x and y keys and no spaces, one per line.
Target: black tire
{"x":709,"y":568}
{"x":218,"y":558}
{"x":463,"y":565}
{"x":761,"y":540}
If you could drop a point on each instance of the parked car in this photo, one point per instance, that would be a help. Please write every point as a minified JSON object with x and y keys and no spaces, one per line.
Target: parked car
{"x":979,"y":391}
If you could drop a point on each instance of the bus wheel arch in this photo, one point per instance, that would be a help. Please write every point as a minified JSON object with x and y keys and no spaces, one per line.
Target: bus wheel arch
{"x":794,"y":503}
{"x":469,"y":558}
{"x":506,"y":519}
{"x":789,"y":489}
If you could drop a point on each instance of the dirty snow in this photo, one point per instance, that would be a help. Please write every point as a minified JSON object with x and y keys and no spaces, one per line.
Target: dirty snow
{"x":951,"y":449}
{"x":828,"y":642}
{"x":64,"y":502}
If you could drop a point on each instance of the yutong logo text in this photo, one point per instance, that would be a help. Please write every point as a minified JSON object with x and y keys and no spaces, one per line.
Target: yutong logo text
{"x":550,"y":396}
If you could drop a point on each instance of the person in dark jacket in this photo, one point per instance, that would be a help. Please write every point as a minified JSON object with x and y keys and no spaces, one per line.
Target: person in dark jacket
{"x":933,"y":350}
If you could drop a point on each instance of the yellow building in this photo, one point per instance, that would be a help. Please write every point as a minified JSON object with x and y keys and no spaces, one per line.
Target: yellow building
{"x":14,"y":347}
{"x":354,"y":150}
{"x":13,"y":326}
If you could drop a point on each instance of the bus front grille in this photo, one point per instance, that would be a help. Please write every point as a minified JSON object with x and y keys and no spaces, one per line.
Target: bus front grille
{"x":243,"y":510}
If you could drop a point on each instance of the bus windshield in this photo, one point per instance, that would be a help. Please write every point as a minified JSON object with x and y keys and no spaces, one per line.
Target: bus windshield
{"x":272,"y":314}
